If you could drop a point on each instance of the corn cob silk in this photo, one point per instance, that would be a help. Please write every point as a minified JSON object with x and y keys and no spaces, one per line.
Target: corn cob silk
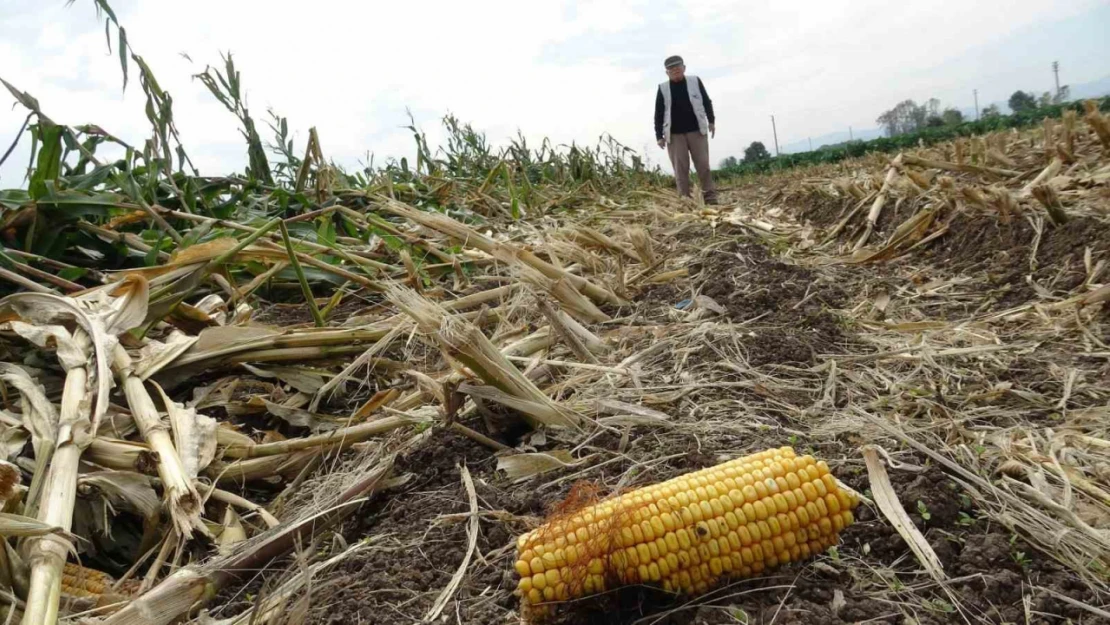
{"x":687,"y":534}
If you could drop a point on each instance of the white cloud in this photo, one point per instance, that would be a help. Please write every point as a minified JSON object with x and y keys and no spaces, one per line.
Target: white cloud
{"x":558,"y":69}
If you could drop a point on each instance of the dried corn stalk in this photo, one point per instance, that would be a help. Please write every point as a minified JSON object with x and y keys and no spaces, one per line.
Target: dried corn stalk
{"x":83,"y":354}
{"x":464,"y":342}
{"x":1098,"y":123}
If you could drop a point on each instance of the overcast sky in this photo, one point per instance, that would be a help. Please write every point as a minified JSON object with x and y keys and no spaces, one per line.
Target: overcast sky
{"x":567,"y":70}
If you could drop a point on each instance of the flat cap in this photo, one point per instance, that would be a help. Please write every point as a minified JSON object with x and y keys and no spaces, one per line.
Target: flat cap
{"x":672,"y":61}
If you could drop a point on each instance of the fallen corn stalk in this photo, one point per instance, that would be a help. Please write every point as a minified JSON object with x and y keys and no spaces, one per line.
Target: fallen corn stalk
{"x":880,"y":200}
{"x":465,"y":342}
{"x":910,"y":159}
{"x":64,"y":435}
{"x":193,"y":586}
{"x":181,"y":498}
{"x":501,"y":251}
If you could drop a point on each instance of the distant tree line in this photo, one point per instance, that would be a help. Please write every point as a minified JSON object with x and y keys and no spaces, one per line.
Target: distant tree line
{"x":757,"y":160}
{"x":1022,"y":101}
{"x":908,"y":116}
{"x":754,"y":153}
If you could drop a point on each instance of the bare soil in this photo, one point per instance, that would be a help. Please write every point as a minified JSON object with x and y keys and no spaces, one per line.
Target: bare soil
{"x":1005,"y":254}
{"x":754,"y":287}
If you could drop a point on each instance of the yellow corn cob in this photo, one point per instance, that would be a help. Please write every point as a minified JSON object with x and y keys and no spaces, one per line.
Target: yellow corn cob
{"x":687,"y":534}
{"x":84,"y":583}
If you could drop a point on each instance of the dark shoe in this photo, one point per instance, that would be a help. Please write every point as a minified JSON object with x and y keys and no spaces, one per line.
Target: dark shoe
{"x":711,"y":201}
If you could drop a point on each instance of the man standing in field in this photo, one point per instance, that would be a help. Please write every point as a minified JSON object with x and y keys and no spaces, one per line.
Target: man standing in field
{"x":684,"y":121}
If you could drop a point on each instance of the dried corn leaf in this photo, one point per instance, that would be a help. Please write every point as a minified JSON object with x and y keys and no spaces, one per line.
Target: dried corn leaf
{"x":704,"y":302}
{"x":520,"y":466}
{"x":1102,"y":294}
{"x":302,"y":379}
{"x":472,"y":541}
{"x":620,"y":408}
{"x":45,"y":309}
{"x":203,"y":252}
{"x":298,"y":417}
{"x":887,"y":500}
{"x":123,"y":306}
{"x":633,"y":420}
{"x":219,"y":339}
{"x":194,"y":435}
{"x":116,"y":425}
{"x":70,"y":352}
{"x":19,"y":526}
{"x":232,"y":532}
{"x":125,"y":490}
{"x":40,"y":417}
{"x":213,"y":308}
{"x":643,"y":244}
{"x":12,"y":441}
{"x":545,"y":412}
{"x":156,"y":355}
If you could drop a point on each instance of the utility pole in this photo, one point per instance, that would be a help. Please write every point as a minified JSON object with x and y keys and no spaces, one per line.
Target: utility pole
{"x":850,"y":137}
{"x":810,"y":143}
{"x":1056,"y":70}
{"x":976,"y":92}
{"x":776,"y":131}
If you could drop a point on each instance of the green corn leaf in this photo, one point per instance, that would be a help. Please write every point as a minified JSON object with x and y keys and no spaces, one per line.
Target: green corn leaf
{"x":14,"y":199}
{"x":352,"y":230}
{"x":313,"y":275}
{"x":325,"y":233}
{"x":129,"y":186}
{"x":49,"y":242}
{"x":303,"y":231}
{"x":102,"y":6}
{"x":73,"y":273}
{"x":49,"y":163}
{"x":101,"y":202}
{"x":151,"y":258}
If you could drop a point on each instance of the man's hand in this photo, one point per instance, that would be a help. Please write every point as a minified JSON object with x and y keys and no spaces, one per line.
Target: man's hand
{"x":662,"y":143}
{"x":713,"y":130}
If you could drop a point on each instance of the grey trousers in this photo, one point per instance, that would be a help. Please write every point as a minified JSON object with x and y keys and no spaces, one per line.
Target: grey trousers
{"x":682,"y":148}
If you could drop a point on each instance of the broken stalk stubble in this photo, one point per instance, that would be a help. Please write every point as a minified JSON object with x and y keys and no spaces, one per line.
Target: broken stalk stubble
{"x":180,"y":496}
{"x":47,"y":554}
